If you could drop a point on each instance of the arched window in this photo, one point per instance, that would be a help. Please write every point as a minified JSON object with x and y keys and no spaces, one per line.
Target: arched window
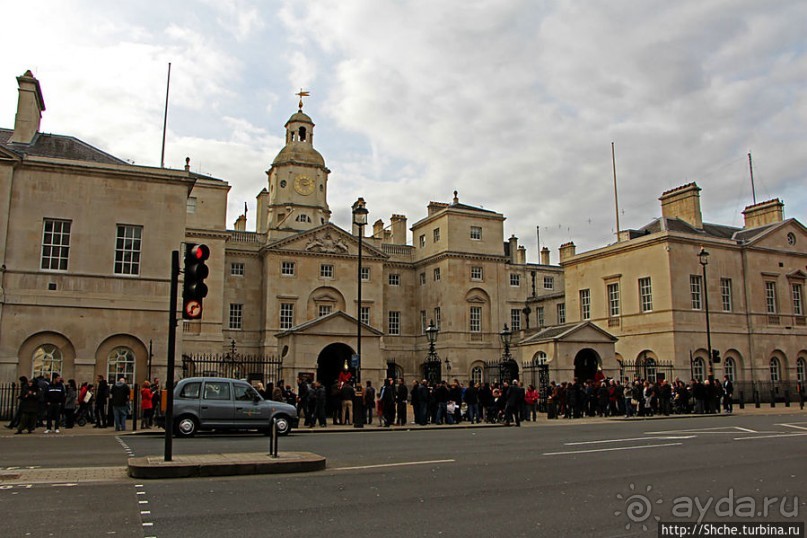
{"x":47,"y":360}
{"x":650,"y":370}
{"x":121,"y":363}
{"x":776,"y":370}
{"x":476,"y":375}
{"x":698,"y":368}
{"x":540,"y":358}
{"x":302,"y":134}
{"x":730,"y":368}
{"x":801,"y":370}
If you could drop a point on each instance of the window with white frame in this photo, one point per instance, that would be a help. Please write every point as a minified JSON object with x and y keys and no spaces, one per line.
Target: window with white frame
{"x":515,"y":319}
{"x":698,"y":368}
{"x":770,"y":297}
{"x":422,"y":241}
{"x":436,"y":234}
{"x":303,"y":218}
{"x":236,"y":269}
{"x":394,"y":279}
{"x":127,"y":249}
{"x":475,"y":319}
{"x":287,"y":268}
{"x":286,"y":315}
{"x":515,"y":280}
{"x":436,"y":274}
{"x":549,"y":283}
{"x":324,"y":310}
{"x":437,"y":317}
{"x":476,"y":233}
{"x":798,"y":299}
{"x":364,"y":315}
{"x":585,"y":304}
{"x":725,"y":294}
{"x":539,"y":359}
{"x":236,"y":316}
{"x":476,"y":375}
{"x":695,"y":284}
{"x":46,"y":361}
{"x":190,"y":205}
{"x":326,"y":270}
{"x":539,"y":312}
{"x":365,"y":274}
{"x":476,"y":273}
{"x":394,"y":322}
{"x":561,"y":308}
{"x":422,"y":278}
{"x":55,"y":244}
{"x":423,"y":322}
{"x":613,"y":299}
{"x":801,"y":370}
{"x":730,"y":368}
{"x":646,"y":294}
{"x":776,"y":370}
{"x":121,"y":363}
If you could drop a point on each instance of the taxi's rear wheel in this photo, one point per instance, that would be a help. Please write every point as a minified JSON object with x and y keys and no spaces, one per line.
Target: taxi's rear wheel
{"x":283,"y":424}
{"x":186,"y":426}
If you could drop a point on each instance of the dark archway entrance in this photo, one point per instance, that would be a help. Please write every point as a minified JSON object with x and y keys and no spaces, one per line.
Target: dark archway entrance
{"x":585,"y":365}
{"x":330,"y":363}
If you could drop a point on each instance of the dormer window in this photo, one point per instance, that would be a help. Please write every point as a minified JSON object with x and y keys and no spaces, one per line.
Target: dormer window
{"x":303,"y":218}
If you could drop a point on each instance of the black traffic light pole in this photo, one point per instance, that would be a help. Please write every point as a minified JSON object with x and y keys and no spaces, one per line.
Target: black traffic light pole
{"x":172,"y":339}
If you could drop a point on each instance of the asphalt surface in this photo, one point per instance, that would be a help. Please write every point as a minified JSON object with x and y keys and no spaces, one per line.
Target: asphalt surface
{"x":564,"y":478}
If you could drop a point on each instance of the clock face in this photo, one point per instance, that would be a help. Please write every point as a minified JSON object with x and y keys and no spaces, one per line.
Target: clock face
{"x":304,"y":185}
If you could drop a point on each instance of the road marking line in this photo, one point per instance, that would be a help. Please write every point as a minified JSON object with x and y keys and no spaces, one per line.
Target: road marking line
{"x":781,"y":435}
{"x":145,"y":512}
{"x":703,"y":430}
{"x":148,"y":524}
{"x":140,"y":493}
{"x":630,"y":439}
{"x":794,"y":425}
{"x":142,"y":502}
{"x":609,"y":449}
{"x":745,"y":429}
{"x":392,"y":465}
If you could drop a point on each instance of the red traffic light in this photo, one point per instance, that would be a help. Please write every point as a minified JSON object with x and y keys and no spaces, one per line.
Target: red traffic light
{"x":200,"y":252}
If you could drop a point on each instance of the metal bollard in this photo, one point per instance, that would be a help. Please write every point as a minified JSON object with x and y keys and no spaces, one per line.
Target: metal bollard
{"x":273,"y":439}
{"x":787,"y":398}
{"x":742,"y":400}
{"x":756,"y":398}
{"x":773,"y":398}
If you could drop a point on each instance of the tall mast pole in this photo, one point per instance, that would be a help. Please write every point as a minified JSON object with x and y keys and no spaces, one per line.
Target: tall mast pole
{"x":165,"y":116}
{"x":616,"y":195}
{"x":751,"y":169}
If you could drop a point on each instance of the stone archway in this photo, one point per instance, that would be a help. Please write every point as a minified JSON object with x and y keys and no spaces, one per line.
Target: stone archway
{"x":330,"y":363}
{"x":586,"y":363}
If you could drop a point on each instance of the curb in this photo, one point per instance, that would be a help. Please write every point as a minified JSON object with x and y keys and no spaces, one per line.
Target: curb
{"x":249,"y":463}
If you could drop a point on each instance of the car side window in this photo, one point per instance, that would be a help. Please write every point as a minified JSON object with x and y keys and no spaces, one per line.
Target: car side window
{"x":217,"y":390}
{"x":244,"y":393}
{"x":190,"y":391}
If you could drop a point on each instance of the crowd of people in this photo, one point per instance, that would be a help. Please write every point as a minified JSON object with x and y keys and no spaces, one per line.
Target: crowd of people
{"x":53,"y":404}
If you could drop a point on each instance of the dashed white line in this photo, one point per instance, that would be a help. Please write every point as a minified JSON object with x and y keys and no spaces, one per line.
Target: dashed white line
{"x":779,"y":436}
{"x":609,"y":449}
{"x":668,"y":437}
{"x":392,"y":465}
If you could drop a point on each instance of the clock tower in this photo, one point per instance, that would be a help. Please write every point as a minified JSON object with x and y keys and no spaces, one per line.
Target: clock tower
{"x":298,"y":183}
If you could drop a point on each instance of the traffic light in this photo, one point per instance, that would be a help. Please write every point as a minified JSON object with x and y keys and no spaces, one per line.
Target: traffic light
{"x":715,"y":356}
{"x":194,"y":288}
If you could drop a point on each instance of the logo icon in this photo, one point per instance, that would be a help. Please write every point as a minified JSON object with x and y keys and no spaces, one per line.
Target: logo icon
{"x":638,"y":507}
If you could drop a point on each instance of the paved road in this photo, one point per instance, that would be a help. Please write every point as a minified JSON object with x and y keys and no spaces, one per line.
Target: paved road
{"x":563,"y":479}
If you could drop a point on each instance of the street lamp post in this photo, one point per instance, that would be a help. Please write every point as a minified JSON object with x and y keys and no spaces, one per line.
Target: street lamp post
{"x":433,"y":361}
{"x":360,"y":220}
{"x":703,"y":259}
{"x":506,"y":336}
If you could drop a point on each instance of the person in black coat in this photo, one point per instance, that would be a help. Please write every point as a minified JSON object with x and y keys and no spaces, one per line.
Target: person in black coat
{"x":515,"y":398}
{"x":388,"y":402}
{"x":401,"y":397}
{"x":101,"y":399}
{"x":29,"y":406}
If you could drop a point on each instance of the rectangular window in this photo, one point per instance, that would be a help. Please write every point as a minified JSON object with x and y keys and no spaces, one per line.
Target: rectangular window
{"x":476,"y":273}
{"x":436,"y":234}
{"x":423,"y":322}
{"x":725,"y":294}
{"x":422,"y":278}
{"x":365,"y":274}
{"x":287,"y":268}
{"x":394,"y":322}
{"x":326,"y":270}
{"x":476,"y":233}
{"x":475,"y":325}
{"x":798,"y":300}
{"x":515,"y":319}
{"x":561,"y":313}
{"x":236,"y":269}
{"x":613,"y":299}
{"x":365,"y":315}
{"x":539,"y":312}
{"x":695,"y":282}
{"x":515,"y":280}
{"x":770,"y":297}
{"x":55,"y":244}
{"x":325,"y":309}
{"x":585,"y":304}
{"x":394,"y":279}
{"x":437,"y":317}
{"x":236,"y":316}
{"x":645,"y":294}
{"x":190,"y":205}
{"x":127,"y":249}
{"x":549,"y":283}
{"x":286,"y":315}
{"x":436,"y":274}
{"x":422,"y":241}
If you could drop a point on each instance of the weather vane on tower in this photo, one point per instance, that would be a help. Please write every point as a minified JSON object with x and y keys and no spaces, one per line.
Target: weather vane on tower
{"x":302,"y":94}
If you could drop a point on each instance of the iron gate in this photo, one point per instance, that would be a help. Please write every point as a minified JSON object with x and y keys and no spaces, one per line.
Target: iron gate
{"x":233,"y":365}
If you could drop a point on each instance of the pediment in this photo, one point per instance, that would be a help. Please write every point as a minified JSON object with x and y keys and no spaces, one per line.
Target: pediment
{"x":585,"y":332}
{"x":334,"y":324}
{"x":789,"y":235}
{"x":327,"y":239}
{"x":6,"y":155}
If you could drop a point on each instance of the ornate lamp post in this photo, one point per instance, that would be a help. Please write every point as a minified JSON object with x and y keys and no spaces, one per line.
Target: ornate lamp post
{"x":433,"y":361}
{"x":360,"y":220}
{"x":506,"y":337}
{"x":703,"y":259}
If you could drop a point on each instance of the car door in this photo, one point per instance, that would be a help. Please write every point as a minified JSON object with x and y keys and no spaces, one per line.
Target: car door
{"x":217,"y":404}
{"x":251,"y":410}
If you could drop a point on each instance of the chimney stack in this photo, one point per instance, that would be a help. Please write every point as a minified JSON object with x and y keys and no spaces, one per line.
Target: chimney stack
{"x":30,"y":106}
{"x":768,"y":212}
{"x":513,"y":241}
{"x":378,"y":229}
{"x":683,"y":203}
{"x":398,"y":225}
{"x":545,"y":256}
{"x":522,"y":255}
{"x":567,"y":250}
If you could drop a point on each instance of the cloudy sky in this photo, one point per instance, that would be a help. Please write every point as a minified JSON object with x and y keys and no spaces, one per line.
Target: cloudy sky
{"x":513,"y":103}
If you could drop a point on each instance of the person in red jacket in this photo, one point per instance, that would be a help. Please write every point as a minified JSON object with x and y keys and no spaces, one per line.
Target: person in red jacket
{"x":531,"y":399}
{"x":146,"y":405}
